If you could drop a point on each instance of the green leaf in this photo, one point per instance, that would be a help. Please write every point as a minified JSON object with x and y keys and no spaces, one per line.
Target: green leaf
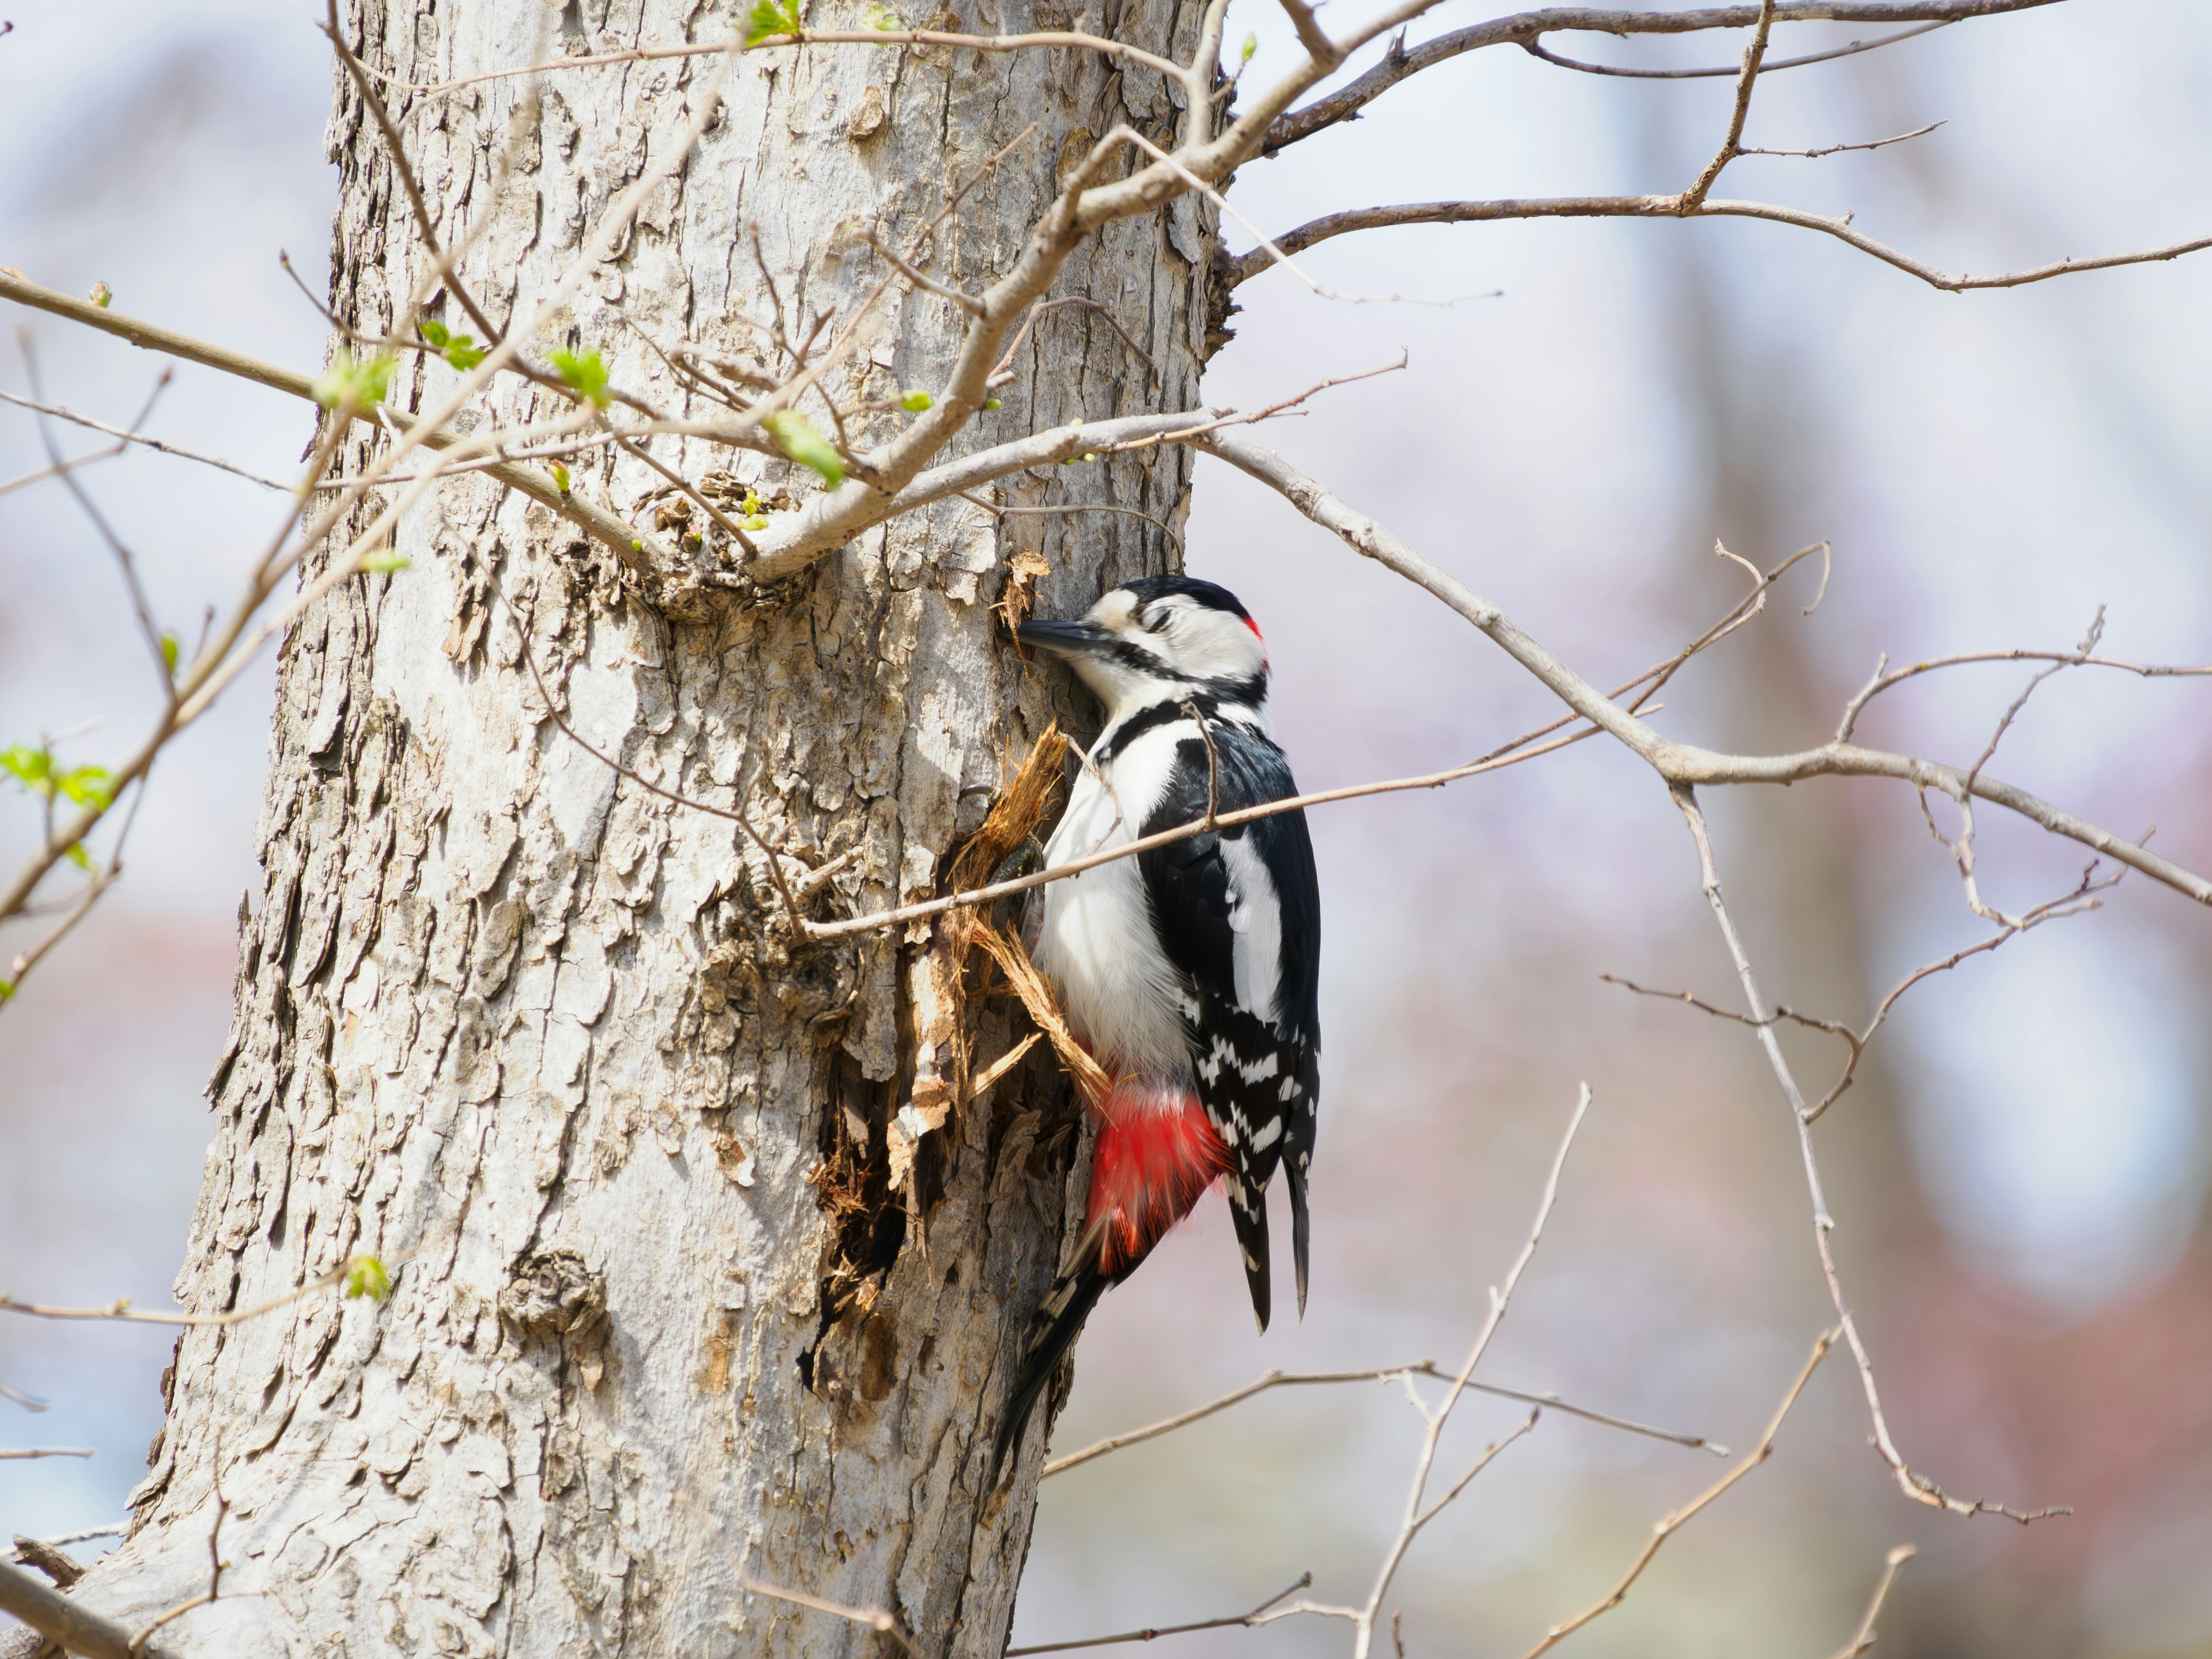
{"x":586,"y":372}
{"x":367,"y":1276}
{"x":915,"y":402}
{"x":385,"y":563}
{"x":87,"y":786}
{"x":79,"y":858}
{"x":171,"y":647}
{"x":434,"y":331}
{"x":7,"y":990}
{"x":881,"y":16}
{"x":1251,"y":45}
{"x":773,"y":17}
{"x":28,"y":766}
{"x":360,"y":384}
{"x":799,"y":440}
{"x":465,"y":354}
{"x":560,"y":477}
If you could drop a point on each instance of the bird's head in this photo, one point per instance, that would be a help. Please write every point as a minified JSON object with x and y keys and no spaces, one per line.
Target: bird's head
{"x":1160,"y":638}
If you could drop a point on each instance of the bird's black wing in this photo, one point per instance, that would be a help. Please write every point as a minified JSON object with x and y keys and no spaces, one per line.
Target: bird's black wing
{"x":1257,"y":1066}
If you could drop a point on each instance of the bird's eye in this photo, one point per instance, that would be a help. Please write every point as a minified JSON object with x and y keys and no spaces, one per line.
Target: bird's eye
{"x":1158,"y":620}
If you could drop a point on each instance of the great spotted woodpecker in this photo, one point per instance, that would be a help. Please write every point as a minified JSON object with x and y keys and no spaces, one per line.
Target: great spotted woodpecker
{"x":1189,"y":971}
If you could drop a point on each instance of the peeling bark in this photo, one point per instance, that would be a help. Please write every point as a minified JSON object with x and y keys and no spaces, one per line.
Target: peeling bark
{"x":660,"y":1315}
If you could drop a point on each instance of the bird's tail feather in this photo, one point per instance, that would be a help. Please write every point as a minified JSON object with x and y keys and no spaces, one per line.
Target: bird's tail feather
{"x":1070,"y":1304}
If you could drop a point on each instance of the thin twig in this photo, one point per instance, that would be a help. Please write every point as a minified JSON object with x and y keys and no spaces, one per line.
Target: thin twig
{"x":1426,"y":1367}
{"x":129,"y":436}
{"x":1863,"y":1638}
{"x":1914,"y":1484}
{"x":1534,"y":48}
{"x":1243,"y":268}
{"x":874,"y":1617}
{"x":1838,"y":149}
{"x":121,"y":1310}
{"x":1670,"y":1523}
{"x":25,"y":1452}
{"x":1305,"y":1581}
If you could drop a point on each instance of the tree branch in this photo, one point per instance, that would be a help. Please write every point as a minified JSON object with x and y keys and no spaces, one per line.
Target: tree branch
{"x":1682,"y":765}
{"x":1244,"y":267}
{"x":1670,"y":1523}
{"x":627,"y":541}
{"x":1523,"y":29}
{"x":61,"y":1621}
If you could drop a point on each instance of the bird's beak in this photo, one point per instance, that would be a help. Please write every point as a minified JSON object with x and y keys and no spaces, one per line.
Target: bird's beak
{"x":1063,"y":639}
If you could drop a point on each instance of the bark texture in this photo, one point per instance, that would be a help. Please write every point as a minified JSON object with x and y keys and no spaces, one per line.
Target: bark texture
{"x":660,"y":1315}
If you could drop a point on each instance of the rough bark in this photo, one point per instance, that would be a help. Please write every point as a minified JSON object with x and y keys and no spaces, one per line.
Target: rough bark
{"x":660,"y":1317}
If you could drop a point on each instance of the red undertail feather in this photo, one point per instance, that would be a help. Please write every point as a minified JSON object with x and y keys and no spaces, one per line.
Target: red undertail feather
{"x":1156,"y":1154}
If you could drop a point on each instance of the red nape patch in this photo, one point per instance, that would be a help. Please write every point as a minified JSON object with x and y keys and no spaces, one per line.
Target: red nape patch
{"x":1254,"y":627}
{"x":1155,"y":1157}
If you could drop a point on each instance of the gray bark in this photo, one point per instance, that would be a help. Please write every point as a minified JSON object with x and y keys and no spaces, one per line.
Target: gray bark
{"x":525,"y":1031}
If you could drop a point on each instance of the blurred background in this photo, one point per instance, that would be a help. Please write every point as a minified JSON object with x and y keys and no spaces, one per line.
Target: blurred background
{"x":2018,"y":1175}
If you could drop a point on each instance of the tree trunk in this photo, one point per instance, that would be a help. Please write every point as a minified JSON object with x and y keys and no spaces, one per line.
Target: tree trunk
{"x":661,"y":1318}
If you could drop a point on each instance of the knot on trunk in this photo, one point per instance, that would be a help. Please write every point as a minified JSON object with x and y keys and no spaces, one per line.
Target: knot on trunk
{"x":554,"y":1294}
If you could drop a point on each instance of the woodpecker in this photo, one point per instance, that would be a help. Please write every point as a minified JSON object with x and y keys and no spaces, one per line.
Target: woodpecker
{"x":1189,"y":972}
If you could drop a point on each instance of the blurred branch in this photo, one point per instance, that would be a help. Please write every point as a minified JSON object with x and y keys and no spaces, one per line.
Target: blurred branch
{"x":64,"y":1622}
{"x":1863,"y":1638}
{"x":875,"y":1617}
{"x":1418,"y":1512}
{"x":2073,"y":902}
{"x":1914,"y":1484}
{"x":1426,"y":1367}
{"x":1303,"y":1581}
{"x":1672,"y":1522}
{"x":27,"y":1452}
{"x":121,"y":1310}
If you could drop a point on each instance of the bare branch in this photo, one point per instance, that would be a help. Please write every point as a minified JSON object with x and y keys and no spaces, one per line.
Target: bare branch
{"x":1914,"y":1484}
{"x":129,"y":437}
{"x":64,"y":1622}
{"x":1524,"y":28}
{"x":1670,"y":1523}
{"x":1881,"y":682}
{"x":1681,"y":764}
{"x":1419,"y":1368}
{"x":1838,"y":149}
{"x":1692,"y":198}
{"x":121,"y":1310}
{"x":1303,"y":1581}
{"x":1863,"y":1638}
{"x":1244,"y":267}
{"x":875,"y":1617}
{"x":27,"y":1452}
{"x":1311,"y":36}
{"x":625,"y":540}
{"x":1536,"y":49}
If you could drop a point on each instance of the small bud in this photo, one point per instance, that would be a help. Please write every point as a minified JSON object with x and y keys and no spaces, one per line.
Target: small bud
{"x":990,"y":402}
{"x":1251,"y":45}
{"x":100,"y":296}
{"x":560,"y":477}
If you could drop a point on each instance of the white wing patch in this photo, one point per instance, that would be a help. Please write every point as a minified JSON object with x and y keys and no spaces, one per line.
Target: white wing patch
{"x":1256,"y":912}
